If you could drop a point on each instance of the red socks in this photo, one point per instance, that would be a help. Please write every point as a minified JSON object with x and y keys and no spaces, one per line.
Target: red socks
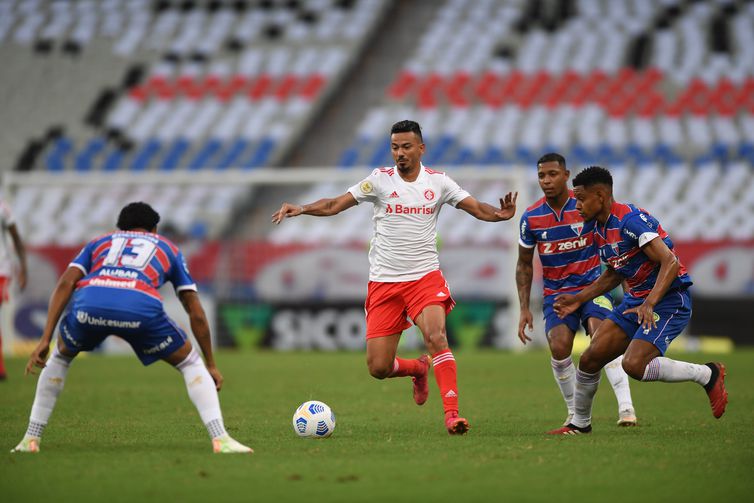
{"x":445,"y":374}
{"x":404,"y":367}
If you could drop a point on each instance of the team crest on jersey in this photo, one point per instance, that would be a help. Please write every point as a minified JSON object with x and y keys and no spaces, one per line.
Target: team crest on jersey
{"x":577,"y":228}
{"x":366,"y":187}
{"x":429,"y":195}
{"x":614,"y":247}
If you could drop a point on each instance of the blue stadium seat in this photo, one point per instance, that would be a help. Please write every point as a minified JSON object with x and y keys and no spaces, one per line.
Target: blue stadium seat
{"x":203,"y":158}
{"x":55,"y":160}
{"x":230,"y":158}
{"x":720,"y":151}
{"x":173,"y":156}
{"x":492,"y":156}
{"x":113,"y":160}
{"x":525,"y":156}
{"x":464,"y":156}
{"x":440,"y":149}
{"x":85,"y":158}
{"x":637,"y":154}
{"x":579,"y":156}
{"x":746,"y":151}
{"x":381,"y":154}
{"x":261,"y":154}
{"x":666,"y":154}
{"x":143,"y":157}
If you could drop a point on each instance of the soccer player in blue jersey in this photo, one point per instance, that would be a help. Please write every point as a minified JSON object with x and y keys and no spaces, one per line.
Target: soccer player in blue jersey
{"x":110,"y":288}
{"x":570,"y":262}
{"x":654,"y":311}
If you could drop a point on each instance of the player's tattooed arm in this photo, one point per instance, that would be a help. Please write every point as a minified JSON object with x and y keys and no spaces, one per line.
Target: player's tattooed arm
{"x":524,"y":275}
{"x":321,"y":208}
{"x":488,"y":213}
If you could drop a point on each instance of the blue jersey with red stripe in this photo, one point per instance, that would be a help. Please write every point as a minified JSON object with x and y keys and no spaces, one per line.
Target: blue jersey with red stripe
{"x":132,"y":261}
{"x":565,"y":244}
{"x":627,"y":229}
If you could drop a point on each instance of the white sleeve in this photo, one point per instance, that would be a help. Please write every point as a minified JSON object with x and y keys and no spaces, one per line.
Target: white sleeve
{"x":647,"y":237}
{"x":367,"y":189}
{"x":453,"y":193}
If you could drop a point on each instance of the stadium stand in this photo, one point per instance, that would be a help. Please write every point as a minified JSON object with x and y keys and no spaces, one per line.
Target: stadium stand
{"x":206,"y":85}
{"x":231,"y":85}
{"x":630,"y":85}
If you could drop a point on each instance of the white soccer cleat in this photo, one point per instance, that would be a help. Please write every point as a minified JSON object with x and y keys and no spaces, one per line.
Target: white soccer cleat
{"x":28,"y":444}
{"x":627,"y":417}
{"x":228,"y":445}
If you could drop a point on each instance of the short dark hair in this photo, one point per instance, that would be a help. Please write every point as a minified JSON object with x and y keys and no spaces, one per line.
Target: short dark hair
{"x":407,"y":127}
{"x":552,"y":157}
{"x":138,"y":216}
{"x":593,"y":175}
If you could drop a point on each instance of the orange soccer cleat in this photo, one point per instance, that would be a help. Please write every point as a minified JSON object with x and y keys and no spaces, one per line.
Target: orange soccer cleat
{"x":455,"y":425}
{"x":715,"y":388}
{"x":421,"y":384}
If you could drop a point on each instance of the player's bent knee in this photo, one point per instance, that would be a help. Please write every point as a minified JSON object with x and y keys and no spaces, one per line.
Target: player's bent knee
{"x":634,"y":367}
{"x":590,"y":363}
{"x":380,"y":371}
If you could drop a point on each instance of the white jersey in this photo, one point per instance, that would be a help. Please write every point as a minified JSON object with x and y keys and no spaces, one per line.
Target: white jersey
{"x":6,"y":259}
{"x":404,"y":245}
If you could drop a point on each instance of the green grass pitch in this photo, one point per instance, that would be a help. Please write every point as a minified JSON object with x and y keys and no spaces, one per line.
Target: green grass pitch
{"x":121,"y":432}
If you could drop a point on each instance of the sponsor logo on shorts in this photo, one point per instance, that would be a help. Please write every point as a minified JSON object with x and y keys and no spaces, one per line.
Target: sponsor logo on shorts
{"x":68,"y":336}
{"x":603,"y":302}
{"x":98,"y":321}
{"x":159,"y":347}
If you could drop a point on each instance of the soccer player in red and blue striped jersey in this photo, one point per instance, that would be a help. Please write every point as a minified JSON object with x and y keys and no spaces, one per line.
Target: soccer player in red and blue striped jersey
{"x":110,"y":288}
{"x":566,"y":248}
{"x":654,"y":311}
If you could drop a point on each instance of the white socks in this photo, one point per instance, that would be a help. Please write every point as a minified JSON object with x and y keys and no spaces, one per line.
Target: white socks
{"x":201,"y":390}
{"x":49,"y":386}
{"x":586,"y":387}
{"x":565,"y":376}
{"x":619,"y":381}
{"x":667,"y":370}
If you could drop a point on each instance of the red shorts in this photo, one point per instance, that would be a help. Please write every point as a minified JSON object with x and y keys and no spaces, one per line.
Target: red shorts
{"x":389,"y":306}
{"x":4,"y":288}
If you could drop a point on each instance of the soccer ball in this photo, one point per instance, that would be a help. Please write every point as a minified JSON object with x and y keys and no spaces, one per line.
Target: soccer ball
{"x":313,"y":419}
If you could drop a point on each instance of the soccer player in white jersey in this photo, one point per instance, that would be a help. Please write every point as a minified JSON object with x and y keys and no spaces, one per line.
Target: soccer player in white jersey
{"x":111,"y":288}
{"x":8,"y":228}
{"x":405,"y":281}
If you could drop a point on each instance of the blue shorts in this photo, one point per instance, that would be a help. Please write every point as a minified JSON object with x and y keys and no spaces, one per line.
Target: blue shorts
{"x":671,"y":315}
{"x":598,"y":308}
{"x":135,"y":317}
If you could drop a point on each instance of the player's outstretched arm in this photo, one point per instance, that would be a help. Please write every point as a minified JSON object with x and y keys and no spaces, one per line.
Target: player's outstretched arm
{"x":487,"y":212}
{"x":322,"y":208}
{"x":524,"y":275}
{"x":567,"y":303}
{"x":200,"y":329}
{"x":58,"y":300}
